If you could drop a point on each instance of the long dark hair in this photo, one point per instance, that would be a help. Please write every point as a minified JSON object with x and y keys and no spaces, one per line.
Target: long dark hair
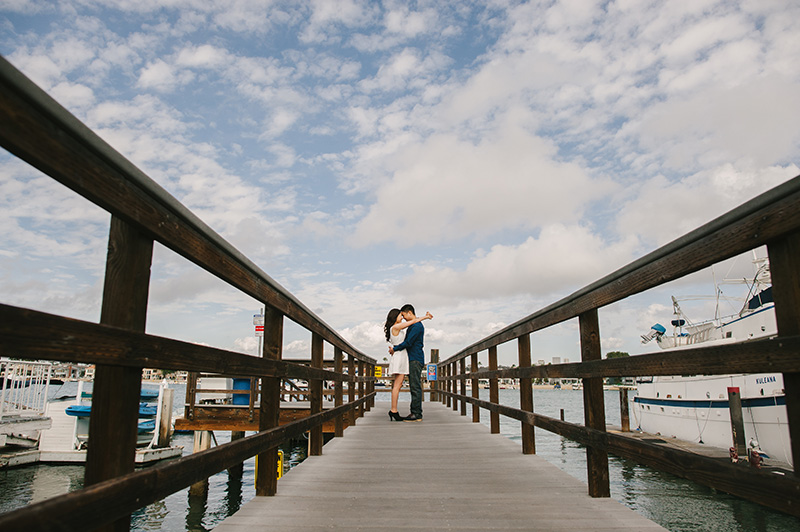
{"x":391,"y":319}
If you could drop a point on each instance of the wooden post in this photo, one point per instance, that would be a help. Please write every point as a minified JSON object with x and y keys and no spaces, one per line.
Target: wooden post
{"x":191,"y":395}
{"x":462,"y":365}
{"x":351,"y":387}
{"x":737,"y":421}
{"x":202,"y":441}
{"x":455,"y":386}
{"x":526,"y":394}
{"x":238,"y":469}
{"x":315,"y":388}
{"x":435,"y":384}
{"x":494,"y":391}
{"x":624,"y":415}
{"x":338,"y":423}
{"x":561,"y":414}
{"x":165,"y":423}
{"x":593,"y":405}
{"x":115,"y":395}
{"x":270,"y":408}
{"x":784,"y":258}
{"x":361,"y":374}
{"x":368,"y":385}
{"x":476,"y":411}
{"x":448,"y":386}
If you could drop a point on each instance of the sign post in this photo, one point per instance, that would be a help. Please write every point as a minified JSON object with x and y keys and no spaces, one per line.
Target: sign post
{"x":258,"y":321}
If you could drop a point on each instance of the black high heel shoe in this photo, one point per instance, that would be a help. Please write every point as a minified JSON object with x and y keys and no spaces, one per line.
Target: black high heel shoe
{"x":395,"y":416}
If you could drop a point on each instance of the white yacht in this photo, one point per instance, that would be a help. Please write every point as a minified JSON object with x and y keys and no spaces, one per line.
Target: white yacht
{"x":695,"y":408}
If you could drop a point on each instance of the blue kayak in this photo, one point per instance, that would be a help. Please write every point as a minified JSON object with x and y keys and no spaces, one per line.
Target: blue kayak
{"x":145,"y":410}
{"x":146,"y":394}
{"x":147,"y":426}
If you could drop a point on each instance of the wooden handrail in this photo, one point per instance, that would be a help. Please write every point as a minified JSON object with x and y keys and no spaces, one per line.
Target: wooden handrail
{"x":756,"y":356}
{"x":778,"y":492}
{"x":771,"y":219}
{"x":34,"y":334}
{"x":40,"y":131}
{"x":761,"y":220}
{"x":104,"y":502}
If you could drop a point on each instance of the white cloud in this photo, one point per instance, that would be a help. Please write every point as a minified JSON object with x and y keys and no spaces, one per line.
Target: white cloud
{"x":446,"y":188}
{"x":660,"y":210}
{"x":248,"y":344}
{"x":162,"y":77}
{"x":328,"y":15}
{"x":561,"y":259}
{"x":203,"y":56}
{"x":753,"y":122}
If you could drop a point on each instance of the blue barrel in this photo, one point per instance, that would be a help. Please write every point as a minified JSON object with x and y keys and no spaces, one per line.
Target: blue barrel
{"x":241,"y":398}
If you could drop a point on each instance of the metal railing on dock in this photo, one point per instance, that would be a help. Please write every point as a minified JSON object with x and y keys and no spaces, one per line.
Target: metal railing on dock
{"x":23,"y":387}
{"x":38,"y":130}
{"x":771,"y":219}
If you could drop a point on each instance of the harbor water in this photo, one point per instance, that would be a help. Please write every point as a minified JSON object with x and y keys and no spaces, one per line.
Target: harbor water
{"x":675,"y":504}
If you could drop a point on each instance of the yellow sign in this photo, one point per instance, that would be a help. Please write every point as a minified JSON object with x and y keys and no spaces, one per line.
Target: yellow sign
{"x":280,"y":465}
{"x":378,"y":371}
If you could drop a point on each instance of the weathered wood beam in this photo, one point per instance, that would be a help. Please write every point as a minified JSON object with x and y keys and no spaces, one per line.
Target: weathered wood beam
{"x":778,"y":492}
{"x":28,"y":333}
{"x":115,"y":396}
{"x":40,"y":131}
{"x":784,"y":258}
{"x":755,"y":223}
{"x":778,"y":354}
{"x":270,"y":408}
{"x":315,"y":387}
{"x":594,"y":410}
{"x":494,"y":391}
{"x":525,"y":393}
{"x":105,"y":502}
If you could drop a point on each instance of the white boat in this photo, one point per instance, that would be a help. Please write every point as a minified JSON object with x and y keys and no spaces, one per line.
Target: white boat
{"x":695,"y":408}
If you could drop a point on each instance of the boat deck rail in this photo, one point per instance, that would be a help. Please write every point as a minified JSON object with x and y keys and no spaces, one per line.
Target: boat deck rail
{"x":772,"y":220}
{"x":39,"y":131}
{"x":23,"y":387}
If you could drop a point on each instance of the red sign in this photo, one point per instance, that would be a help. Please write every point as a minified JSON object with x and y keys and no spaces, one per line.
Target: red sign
{"x":259,"y":328}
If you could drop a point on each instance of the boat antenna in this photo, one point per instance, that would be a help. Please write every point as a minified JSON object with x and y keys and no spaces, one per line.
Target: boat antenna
{"x":716,"y":294}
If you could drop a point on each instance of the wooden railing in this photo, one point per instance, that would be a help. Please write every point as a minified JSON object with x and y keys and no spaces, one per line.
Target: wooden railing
{"x":38,"y":130}
{"x":772,"y":219}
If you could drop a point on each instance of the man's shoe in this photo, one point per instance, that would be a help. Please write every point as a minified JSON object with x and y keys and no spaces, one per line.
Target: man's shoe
{"x":412,"y":417}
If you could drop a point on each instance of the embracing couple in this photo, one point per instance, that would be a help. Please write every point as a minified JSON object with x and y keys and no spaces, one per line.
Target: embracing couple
{"x":404,"y":332}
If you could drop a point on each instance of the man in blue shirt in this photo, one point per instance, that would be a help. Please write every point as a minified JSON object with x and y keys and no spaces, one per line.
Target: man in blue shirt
{"x":416,"y":360}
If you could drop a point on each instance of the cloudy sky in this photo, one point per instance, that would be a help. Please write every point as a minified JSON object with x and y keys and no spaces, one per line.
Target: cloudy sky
{"x":480,"y":160}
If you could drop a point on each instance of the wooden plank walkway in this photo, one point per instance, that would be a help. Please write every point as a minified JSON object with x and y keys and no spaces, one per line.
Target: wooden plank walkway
{"x":444,"y":473}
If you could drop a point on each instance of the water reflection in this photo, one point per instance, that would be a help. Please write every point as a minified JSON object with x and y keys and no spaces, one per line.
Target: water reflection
{"x":674,"y":503}
{"x":196,"y":511}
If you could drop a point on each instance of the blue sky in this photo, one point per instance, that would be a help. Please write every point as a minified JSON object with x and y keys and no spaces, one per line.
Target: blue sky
{"x":480,"y":160}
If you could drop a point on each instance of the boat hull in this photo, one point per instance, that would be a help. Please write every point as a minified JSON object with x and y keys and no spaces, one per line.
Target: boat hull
{"x":696,"y":409}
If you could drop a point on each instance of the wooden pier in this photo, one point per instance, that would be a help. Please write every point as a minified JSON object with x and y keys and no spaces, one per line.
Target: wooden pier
{"x":444,"y":473}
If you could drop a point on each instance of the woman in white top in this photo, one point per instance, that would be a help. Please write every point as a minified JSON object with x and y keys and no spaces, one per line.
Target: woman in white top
{"x":394,"y":329}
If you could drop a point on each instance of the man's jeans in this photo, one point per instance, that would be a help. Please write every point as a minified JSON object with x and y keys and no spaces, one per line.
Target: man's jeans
{"x":415,"y":383}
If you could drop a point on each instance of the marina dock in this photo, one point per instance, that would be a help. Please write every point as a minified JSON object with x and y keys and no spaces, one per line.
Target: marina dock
{"x":444,"y":473}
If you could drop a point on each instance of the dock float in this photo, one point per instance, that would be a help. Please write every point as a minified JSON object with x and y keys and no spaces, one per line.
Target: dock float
{"x":444,"y":473}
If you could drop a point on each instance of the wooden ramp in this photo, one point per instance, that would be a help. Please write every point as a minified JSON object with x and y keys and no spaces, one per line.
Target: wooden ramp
{"x":444,"y":473}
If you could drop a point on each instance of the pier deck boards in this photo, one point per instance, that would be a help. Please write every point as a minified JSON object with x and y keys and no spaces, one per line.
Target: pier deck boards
{"x":444,"y":473}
